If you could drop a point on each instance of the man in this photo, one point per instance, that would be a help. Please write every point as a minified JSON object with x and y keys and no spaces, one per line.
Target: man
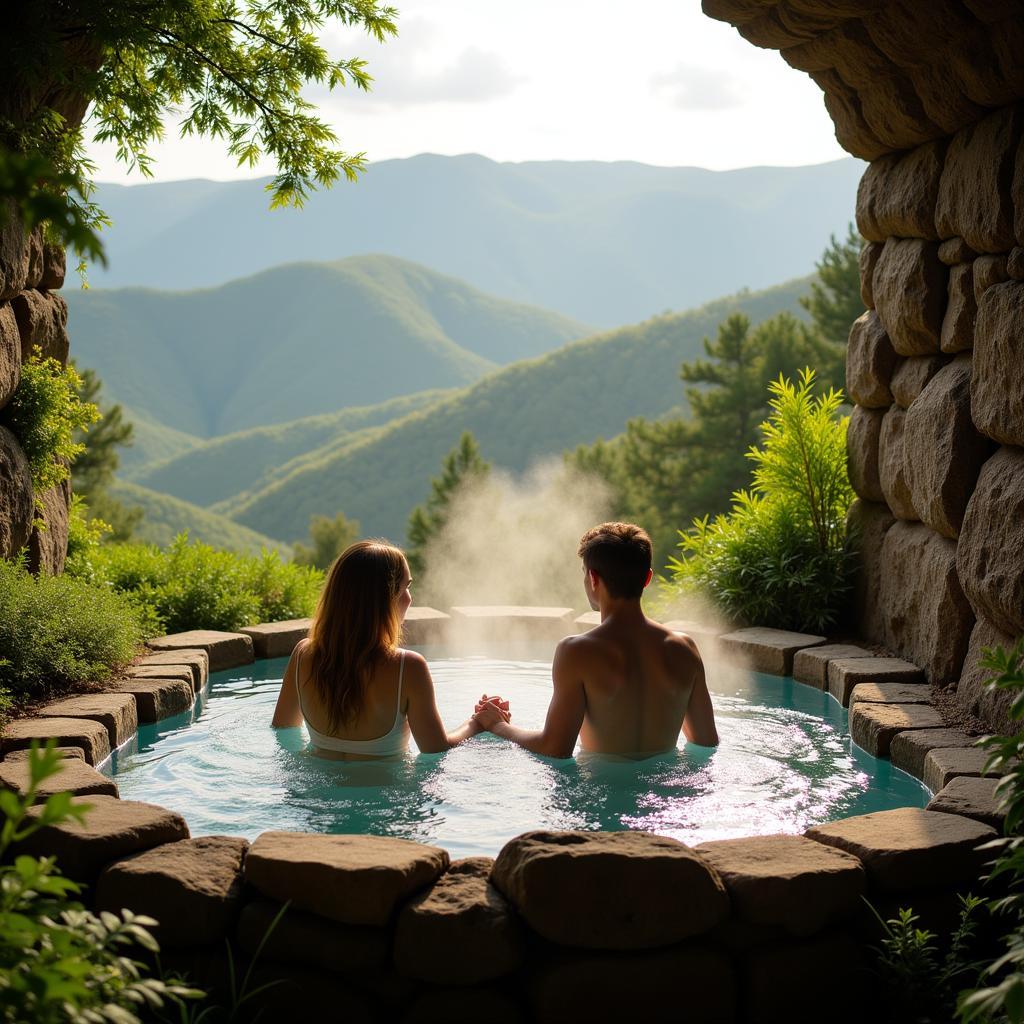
{"x":629,"y":685}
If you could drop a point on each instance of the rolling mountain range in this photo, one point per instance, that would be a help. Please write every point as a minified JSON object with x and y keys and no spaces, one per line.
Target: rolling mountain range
{"x":604,"y":243}
{"x":375,"y":464}
{"x":299,"y":340}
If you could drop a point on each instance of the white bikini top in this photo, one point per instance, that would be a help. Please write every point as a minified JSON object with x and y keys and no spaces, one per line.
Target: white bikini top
{"x":390,"y":744}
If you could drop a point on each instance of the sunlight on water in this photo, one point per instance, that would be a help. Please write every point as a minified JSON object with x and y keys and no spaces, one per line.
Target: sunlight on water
{"x":785,"y":762}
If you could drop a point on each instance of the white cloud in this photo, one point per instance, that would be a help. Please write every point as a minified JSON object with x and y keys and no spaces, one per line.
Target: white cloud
{"x":690,"y":87}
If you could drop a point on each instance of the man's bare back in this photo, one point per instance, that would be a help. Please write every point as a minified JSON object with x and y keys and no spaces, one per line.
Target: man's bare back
{"x":629,"y":685}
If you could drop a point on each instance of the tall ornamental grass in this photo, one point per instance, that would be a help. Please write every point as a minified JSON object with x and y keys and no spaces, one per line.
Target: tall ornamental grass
{"x":781,"y":556}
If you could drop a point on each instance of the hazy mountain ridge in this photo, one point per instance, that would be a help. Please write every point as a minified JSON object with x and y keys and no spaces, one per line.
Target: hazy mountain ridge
{"x":607,"y":243}
{"x":300,"y":340}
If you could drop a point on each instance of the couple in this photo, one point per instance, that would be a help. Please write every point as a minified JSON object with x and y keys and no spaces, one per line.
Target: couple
{"x":626,"y":687}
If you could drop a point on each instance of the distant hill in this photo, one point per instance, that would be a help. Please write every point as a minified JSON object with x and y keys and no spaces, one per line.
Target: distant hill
{"x":165,"y":517}
{"x":211,"y":471}
{"x":538,"y":407}
{"x":607,"y":243}
{"x":298,"y":340}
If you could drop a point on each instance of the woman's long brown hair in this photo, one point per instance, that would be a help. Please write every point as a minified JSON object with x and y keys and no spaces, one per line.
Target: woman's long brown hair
{"x":356,"y":624}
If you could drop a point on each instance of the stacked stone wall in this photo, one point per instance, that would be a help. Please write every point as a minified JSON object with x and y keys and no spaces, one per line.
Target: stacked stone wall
{"x":936,"y":372}
{"x":33,"y":318}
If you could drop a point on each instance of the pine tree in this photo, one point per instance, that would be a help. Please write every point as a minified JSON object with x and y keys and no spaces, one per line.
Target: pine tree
{"x":463,"y":463}
{"x":329,"y":537}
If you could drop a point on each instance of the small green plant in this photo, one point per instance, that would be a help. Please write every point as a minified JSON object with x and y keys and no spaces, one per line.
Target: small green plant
{"x":1003,"y":996}
{"x":84,"y":537}
{"x":780,"y":557}
{"x":44,"y":412}
{"x":920,"y":981}
{"x":194,"y":586}
{"x":58,"y":961}
{"x":58,"y":632}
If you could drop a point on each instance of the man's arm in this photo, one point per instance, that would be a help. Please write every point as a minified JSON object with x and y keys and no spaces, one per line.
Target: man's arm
{"x":699,"y":721}
{"x":565,"y":713}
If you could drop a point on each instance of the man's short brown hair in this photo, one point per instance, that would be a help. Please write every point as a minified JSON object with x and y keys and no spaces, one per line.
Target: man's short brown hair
{"x":620,"y":553}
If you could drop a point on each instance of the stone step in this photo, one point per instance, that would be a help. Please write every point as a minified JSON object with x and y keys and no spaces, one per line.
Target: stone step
{"x":908,"y":750}
{"x":277,"y":639}
{"x":943,"y":764}
{"x":75,"y":776}
{"x":182,"y":672}
{"x":90,"y":736}
{"x":197,"y":660}
{"x":846,"y":673}
{"x":873,"y":726}
{"x":810,"y":665}
{"x":23,"y":753}
{"x":766,"y":650}
{"x":156,"y":699}
{"x":225,"y":650}
{"x":972,"y":797}
{"x":115,"y":711}
{"x":425,"y":625}
{"x":891,"y":693}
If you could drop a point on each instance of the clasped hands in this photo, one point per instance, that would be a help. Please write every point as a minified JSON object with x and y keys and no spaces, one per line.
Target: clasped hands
{"x":489,"y":711}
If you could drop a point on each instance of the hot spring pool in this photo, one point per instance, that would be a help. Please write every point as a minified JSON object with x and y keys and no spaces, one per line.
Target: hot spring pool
{"x":785,"y":762}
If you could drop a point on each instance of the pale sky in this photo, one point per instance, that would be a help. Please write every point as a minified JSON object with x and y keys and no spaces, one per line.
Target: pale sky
{"x":658,"y":83}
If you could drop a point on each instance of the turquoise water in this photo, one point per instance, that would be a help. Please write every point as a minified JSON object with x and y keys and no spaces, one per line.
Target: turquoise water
{"x":785,"y":762}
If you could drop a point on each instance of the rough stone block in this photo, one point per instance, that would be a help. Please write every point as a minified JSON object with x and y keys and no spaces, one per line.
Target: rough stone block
{"x":786,"y":881}
{"x":10,"y":354}
{"x":944,"y":451}
{"x":197,"y":660}
{"x":908,"y":848}
{"x":75,"y":776}
{"x":974,"y":190}
{"x":311,"y":940}
{"x":862,"y":438}
{"x":767,"y":650}
{"x":891,"y":465}
{"x":957,"y":334}
{"x":277,"y":639}
{"x":990,"y":555}
{"x":943,"y":764}
{"x":998,"y":378}
{"x":355,"y":879}
{"x":897,"y":194}
{"x":870,"y":361}
{"x":891,"y":693}
{"x":912,"y":376}
{"x":810,"y":665}
{"x":923,"y":611}
{"x":868,"y":523}
{"x":113,"y":829}
{"x":23,"y":753}
{"x":654,"y":891}
{"x":48,"y":544}
{"x":955,"y":250}
{"x":165,"y":671}
{"x":54,"y":267}
{"x":224,"y":650}
{"x":846,"y":673}
{"x":988,"y":271}
{"x":192,"y":887}
{"x":869,"y":253}
{"x":461,"y":931}
{"x":90,"y":736}
{"x":16,"y":507}
{"x":908,"y":750}
{"x":972,"y":693}
{"x":156,"y":699}
{"x":910,"y":289}
{"x":424,"y":625}
{"x":14,"y":251}
{"x":1015,"y":263}
{"x":43,"y":324}
{"x":114,"y":711}
{"x":873,"y":726}
{"x":974,"y":798}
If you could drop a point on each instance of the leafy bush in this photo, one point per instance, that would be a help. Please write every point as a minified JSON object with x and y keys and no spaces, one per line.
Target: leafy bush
{"x":1004,"y":996}
{"x":44,"y":413}
{"x":195,"y":586}
{"x":57,"y":632}
{"x":780,"y":557}
{"x":84,"y":537}
{"x":58,"y":961}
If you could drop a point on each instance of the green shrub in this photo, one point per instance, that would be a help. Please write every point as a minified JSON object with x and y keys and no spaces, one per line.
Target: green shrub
{"x":195,"y":586}
{"x":1003,"y":998}
{"x":58,"y":632}
{"x":58,"y":961}
{"x":780,"y":557}
{"x":84,"y":537}
{"x":44,"y":413}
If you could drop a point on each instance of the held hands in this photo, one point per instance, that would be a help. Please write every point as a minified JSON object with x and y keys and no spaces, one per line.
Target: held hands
{"x":489,"y":711}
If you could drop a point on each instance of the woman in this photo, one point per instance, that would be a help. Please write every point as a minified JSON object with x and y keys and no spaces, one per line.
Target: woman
{"x":357,"y":691}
